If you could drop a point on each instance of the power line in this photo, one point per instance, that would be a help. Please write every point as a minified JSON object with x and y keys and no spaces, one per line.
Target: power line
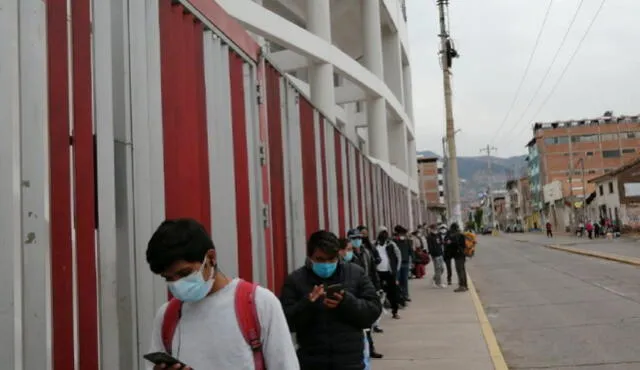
{"x":566,"y":67}
{"x":526,"y":70}
{"x":546,"y":74}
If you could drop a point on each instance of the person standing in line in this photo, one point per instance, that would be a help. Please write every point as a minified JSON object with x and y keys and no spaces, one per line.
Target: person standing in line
{"x":434,"y":241}
{"x":367,"y":245}
{"x":456,"y":244}
{"x":388,"y":268}
{"x":352,"y":251}
{"x":328,"y":303}
{"x":182,"y":252}
{"x":590,"y":229}
{"x":406,"y":256}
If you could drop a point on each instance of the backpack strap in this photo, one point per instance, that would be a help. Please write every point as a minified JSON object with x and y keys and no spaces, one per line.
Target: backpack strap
{"x":247,"y":315}
{"x":170,"y":322}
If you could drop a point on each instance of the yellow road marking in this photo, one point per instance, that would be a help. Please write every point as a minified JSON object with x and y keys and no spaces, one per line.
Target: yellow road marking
{"x":606,"y":256}
{"x":489,"y":336}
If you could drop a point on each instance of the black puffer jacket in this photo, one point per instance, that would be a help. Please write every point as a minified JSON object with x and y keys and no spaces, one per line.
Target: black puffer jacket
{"x":330,"y":338}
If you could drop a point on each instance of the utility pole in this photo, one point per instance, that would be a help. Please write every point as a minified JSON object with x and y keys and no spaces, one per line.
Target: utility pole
{"x":489,"y":149}
{"x":445,"y":170}
{"x":447,"y":53}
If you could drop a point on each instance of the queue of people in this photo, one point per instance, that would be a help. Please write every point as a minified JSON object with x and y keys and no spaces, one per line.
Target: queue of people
{"x":333,"y":303}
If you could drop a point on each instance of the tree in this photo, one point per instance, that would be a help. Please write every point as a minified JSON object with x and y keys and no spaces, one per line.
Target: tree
{"x":478,"y":217}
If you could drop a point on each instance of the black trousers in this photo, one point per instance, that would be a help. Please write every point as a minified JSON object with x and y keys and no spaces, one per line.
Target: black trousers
{"x":391,"y":289}
{"x":372,"y":348}
{"x":549,"y":233}
{"x":461,"y":271}
{"x":447,"y":263}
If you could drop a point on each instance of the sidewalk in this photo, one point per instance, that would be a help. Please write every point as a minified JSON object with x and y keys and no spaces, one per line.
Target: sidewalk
{"x":439,"y":330}
{"x":622,"y":246}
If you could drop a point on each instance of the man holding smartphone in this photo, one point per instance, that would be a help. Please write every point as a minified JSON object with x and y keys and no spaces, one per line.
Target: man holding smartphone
{"x":210,"y":322}
{"x":328,"y":304}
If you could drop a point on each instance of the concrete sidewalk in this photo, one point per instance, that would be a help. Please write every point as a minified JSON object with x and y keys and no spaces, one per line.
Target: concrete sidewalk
{"x":622,"y":246}
{"x":439,"y":330}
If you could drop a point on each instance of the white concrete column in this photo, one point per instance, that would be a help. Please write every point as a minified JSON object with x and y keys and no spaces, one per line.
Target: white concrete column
{"x":408,"y":92}
{"x":393,"y":69}
{"x":413,"y":159}
{"x":373,"y":60}
{"x":321,"y":74}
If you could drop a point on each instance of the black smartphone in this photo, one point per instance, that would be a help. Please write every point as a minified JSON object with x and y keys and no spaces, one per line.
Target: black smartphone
{"x":162,"y":358}
{"x":333,"y":289}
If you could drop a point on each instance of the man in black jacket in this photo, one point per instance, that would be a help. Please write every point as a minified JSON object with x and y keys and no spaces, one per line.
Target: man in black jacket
{"x":455,"y":243}
{"x":366,"y":243}
{"x":329,"y":325}
{"x":407,"y":255}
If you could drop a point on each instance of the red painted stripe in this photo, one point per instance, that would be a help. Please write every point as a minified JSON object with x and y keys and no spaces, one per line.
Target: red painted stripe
{"x":276,"y":166}
{"x":340,"y":198}
{"x":228,"y":26}
{"x":263,"y":123}
{"x":85,"y":206}
{"x":60,"y":187}
{"x":309,"y":166}
{"x":241,"y":166}
{"x":372,"y":197}
{"x":325,"y":181}
{"x":347,"y":182}
{"x":359,"y":175}
{"x":184,"y":116}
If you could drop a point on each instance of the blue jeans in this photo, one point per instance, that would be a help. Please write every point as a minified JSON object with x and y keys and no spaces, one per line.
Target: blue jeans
{"x":403,"y":278}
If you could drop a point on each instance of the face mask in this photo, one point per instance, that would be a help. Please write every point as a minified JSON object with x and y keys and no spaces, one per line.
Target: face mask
{"x":349,"y":256}
{"x":192,"y":288}
{"x":324,"y":269}
{"x":356,"y":243}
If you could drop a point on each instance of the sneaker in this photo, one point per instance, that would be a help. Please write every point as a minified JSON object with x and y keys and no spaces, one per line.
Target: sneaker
{"x":443,"y":285}
{"x":408,"y":299}
{"x":376,"y":355}
{"x":376,"y":329}
{"x":396,"y":316}
{"x":460,"y":290}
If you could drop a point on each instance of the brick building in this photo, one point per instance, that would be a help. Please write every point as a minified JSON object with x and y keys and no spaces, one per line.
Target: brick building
{"x":431,"y":184}
{"x":561,"y":150}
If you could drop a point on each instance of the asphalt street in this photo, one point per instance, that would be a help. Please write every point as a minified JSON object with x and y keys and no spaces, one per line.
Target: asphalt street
{"x":555,"y":310}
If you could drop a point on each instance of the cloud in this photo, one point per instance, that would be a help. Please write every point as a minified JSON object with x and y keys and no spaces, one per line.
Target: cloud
{"x":495,"y":39}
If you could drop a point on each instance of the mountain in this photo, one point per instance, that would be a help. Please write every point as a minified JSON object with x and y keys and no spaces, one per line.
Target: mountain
{"x":474,"y":172}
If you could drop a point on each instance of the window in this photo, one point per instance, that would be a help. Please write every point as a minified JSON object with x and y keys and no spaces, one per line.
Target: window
{"x":610,"y":153}
{"x":358,"y":106}
{"x":336,"y":80}
{"x":601,"y":189}
{"x":610,"y":187}
{"x":439,"y":170}
{"x":627,"y":151}
{"x":608,"y":137}
{"x":556,"y":140}
{"x":590,"y":153}
{"x":584,"y":139}
{"x":592,"y":172}
{"x":628,"y":135}
{"x":442,"y":193}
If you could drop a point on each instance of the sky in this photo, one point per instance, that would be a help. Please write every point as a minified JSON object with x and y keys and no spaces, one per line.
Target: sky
{"x":495,"y":39}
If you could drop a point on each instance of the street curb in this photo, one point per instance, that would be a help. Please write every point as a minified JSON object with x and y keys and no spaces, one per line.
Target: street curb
{"x":605,"y":256}
{"x":487,"y":331}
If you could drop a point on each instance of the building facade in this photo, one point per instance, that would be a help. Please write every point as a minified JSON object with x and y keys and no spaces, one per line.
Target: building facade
{"x":432,"y":188}
{"x":617,"y":196}
{"x":351,"y":58}
{"x":573,"y":152}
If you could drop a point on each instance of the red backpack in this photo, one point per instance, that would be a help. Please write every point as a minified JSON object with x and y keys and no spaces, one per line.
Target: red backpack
{"x":246,"y":314}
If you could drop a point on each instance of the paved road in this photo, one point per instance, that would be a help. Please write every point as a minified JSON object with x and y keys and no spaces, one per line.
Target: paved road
{"x":622,"y":246}
{"x":555,"y":310}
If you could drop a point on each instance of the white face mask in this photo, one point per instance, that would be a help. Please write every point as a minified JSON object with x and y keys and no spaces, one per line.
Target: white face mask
{"x":194,"y":287}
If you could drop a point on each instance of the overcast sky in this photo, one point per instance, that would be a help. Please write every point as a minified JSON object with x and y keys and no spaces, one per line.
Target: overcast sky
{"x":495,"y":39}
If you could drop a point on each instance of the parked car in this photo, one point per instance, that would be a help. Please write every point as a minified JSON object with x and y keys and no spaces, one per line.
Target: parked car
{"x":487,"y":230}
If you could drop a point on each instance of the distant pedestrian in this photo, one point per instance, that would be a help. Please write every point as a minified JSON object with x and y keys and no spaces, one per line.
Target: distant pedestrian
{"x":434,"y":241}
{"x":590,"y":229}
{"x":456,"y":243}
{"x":328,"y":304}
{"x":388,"y":268}
{"x":549,"y":231}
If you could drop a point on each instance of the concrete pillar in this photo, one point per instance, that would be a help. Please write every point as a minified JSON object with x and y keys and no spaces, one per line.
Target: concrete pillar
{"x":413,"y":159}
{"x":372,"y":59}
{"x":393,"y":69}
{"x":321,"y":74}
{"x":408,"y":92}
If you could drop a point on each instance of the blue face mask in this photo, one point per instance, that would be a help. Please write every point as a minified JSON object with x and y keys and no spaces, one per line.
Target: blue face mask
{"x":324,"y":269}
{"x":357,"y":243}
{"x":348,"y":257}
{"x":192,"y":288}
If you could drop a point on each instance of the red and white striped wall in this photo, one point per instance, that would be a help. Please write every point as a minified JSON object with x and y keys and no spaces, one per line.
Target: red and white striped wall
{"x":119,"y":114}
